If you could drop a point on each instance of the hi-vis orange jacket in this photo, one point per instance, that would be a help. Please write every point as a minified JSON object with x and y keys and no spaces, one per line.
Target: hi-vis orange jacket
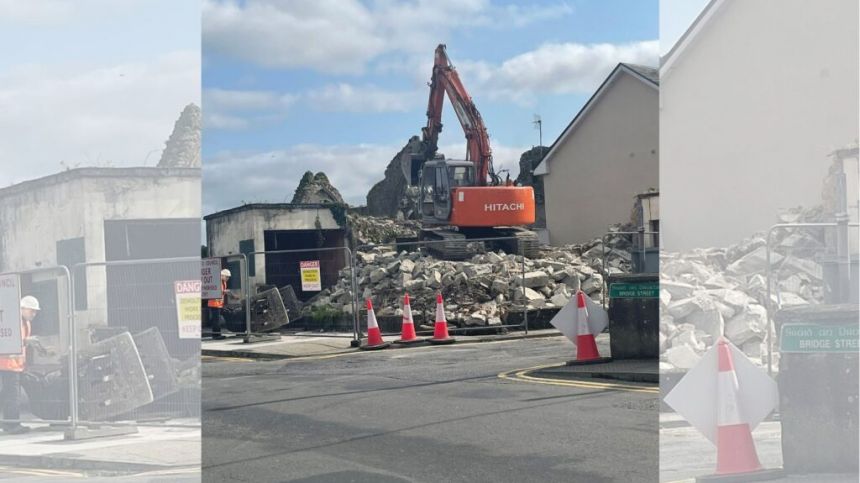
{"x":16,"y":363}
{"x":219,"y":303}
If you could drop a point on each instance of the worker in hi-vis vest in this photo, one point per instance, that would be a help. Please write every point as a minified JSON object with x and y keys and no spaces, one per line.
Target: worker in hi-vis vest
{"x":216,"y":306}
{"x":11,"y":367}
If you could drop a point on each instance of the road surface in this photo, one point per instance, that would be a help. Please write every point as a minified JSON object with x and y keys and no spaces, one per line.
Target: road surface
{"x":422,"y":414}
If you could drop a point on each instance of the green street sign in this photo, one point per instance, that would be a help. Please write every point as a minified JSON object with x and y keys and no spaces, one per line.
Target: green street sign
{"x":646,"y":290}
{"x":819,"y":338}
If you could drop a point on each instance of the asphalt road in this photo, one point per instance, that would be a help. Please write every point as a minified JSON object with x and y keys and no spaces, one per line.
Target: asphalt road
{"x":424,"y":415}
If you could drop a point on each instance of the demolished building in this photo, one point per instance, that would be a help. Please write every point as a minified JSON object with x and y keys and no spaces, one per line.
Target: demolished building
{"x":396,"y":195}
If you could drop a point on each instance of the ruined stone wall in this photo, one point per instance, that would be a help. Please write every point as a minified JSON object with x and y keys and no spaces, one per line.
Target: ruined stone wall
{"x":388,"y":197}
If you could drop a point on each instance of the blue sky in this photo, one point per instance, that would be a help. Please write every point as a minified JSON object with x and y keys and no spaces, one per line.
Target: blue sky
{"x":341,"y":86}
{"x":93,"y":82}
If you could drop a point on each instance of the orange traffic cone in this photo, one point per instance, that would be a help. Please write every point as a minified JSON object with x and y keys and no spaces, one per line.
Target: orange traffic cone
{"x":735,"y":448}
{"x":407,"y":332}
{"x":586,"y":347}
{"x":374,"y":336}
{"x":440,"y":332}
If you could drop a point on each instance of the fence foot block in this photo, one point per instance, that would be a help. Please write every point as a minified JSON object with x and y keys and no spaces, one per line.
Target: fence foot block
{"x":252,"y":338}
{"x":83,"y":433}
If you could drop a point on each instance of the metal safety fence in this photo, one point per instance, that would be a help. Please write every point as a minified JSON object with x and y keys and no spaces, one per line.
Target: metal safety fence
{"x":36,"y":389}
{"x":644,"y":253}
{"x":839,"y":282}
{"x":307,"y":291}
{"x":135,"y":337}
{"x":235,"y":317}
{"x":113,"y":344}
{"x":386,"y":272}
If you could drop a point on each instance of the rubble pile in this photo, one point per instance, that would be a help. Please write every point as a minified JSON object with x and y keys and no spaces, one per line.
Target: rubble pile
{"x":480,"y":291}
{"x":182,"y":149}
{"x":713,"y":291}
{"x":368,"y":230}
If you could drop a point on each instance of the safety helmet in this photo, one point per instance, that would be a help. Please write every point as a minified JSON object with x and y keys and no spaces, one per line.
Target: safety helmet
{"x":30,"y":302}
{"x":226,"y":273}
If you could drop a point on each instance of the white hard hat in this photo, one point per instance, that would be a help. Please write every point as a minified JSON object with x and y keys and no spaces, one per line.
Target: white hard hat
{"x":226,"y":273}
{"x":30,"y":302}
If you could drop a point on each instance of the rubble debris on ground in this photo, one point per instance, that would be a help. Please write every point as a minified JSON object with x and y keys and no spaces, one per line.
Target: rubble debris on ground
{"x":713,"y":291}
{"x":316,"y":188}
{"x":182,"y":149}
{"x":366,"y":230}
{"x":480,"y":291}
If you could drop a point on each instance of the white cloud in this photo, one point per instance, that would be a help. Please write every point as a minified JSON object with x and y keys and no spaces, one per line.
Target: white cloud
{"x":225,"y":109}
{"x":554,"y":68}
{"x":56,"y":12}
{"x":342,"y":36}
{"x":367,"y":98}
{"x":239,"y":100}
{"x":272,"y":176}
{"x":116,"y":115}
{"x":224,"y":122}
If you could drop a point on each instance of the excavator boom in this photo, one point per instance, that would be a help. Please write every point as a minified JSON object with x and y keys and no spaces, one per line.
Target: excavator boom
{"x":445,"y":80}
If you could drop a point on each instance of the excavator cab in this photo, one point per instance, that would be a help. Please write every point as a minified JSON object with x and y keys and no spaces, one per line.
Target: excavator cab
{"x":438,"y":179}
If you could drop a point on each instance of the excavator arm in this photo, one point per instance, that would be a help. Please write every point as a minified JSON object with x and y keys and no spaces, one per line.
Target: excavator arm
{"x":445,"y":80}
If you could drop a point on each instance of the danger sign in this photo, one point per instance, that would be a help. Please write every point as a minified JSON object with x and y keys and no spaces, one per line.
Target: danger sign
{"x":210,"y":277}
{"x":188,"y":308}
{"x":10,"y":316}
{"x":311,"y":278}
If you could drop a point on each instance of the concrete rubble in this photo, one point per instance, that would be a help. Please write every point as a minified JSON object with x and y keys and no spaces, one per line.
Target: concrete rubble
{"x":367,"y":230}
{"x":480,"y":291}
{"x":713,"y":291}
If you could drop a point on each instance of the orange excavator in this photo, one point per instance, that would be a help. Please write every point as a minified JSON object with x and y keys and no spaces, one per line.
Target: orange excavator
{"x":465,"y":199}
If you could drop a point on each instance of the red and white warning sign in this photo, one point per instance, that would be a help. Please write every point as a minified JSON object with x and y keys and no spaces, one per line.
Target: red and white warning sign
{"x":10,"y":316}
{"x":311,"y":278}
{"x":188,"y":312}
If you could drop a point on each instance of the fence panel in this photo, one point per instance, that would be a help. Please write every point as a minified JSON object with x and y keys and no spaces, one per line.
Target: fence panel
{"x":480,"y":275}
{"x":824,"y":256}
{"x":42,"y":390}
{"x":137,"y":341}
{"x":315,"y":286}
{"x":639,"y":250}
{"x":235,"y":315}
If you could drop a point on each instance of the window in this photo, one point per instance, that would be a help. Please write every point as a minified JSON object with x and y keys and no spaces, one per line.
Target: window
{"x":461,"y":175}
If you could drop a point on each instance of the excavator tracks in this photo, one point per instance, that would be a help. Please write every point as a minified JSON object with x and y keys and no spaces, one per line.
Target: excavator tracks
{"x":455,"y":246}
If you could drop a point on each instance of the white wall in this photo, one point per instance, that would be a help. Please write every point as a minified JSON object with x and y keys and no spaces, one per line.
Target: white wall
{"x":224,"y":232}
{"x":35,"y":215}
{"x":749,"y":112}
{"x":612,"y":156}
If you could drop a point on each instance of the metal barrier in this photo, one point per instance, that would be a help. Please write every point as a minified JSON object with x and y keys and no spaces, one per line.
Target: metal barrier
{"x":245,"y":286}
{"x":844,"y":258}
{"x":139,"y":363}
{"x":642,"y":251}
{"x":280,"y":269}
{"x":48,"y":355}
{"x":476,"y":244}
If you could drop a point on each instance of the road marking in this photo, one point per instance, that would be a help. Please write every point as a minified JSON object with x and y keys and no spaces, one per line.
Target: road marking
{"x":40,"y":472}
{"x":522,"y":375}
{"x":463,"y":346}
{"x":173,"y":471}
{"x":226,"y":359}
